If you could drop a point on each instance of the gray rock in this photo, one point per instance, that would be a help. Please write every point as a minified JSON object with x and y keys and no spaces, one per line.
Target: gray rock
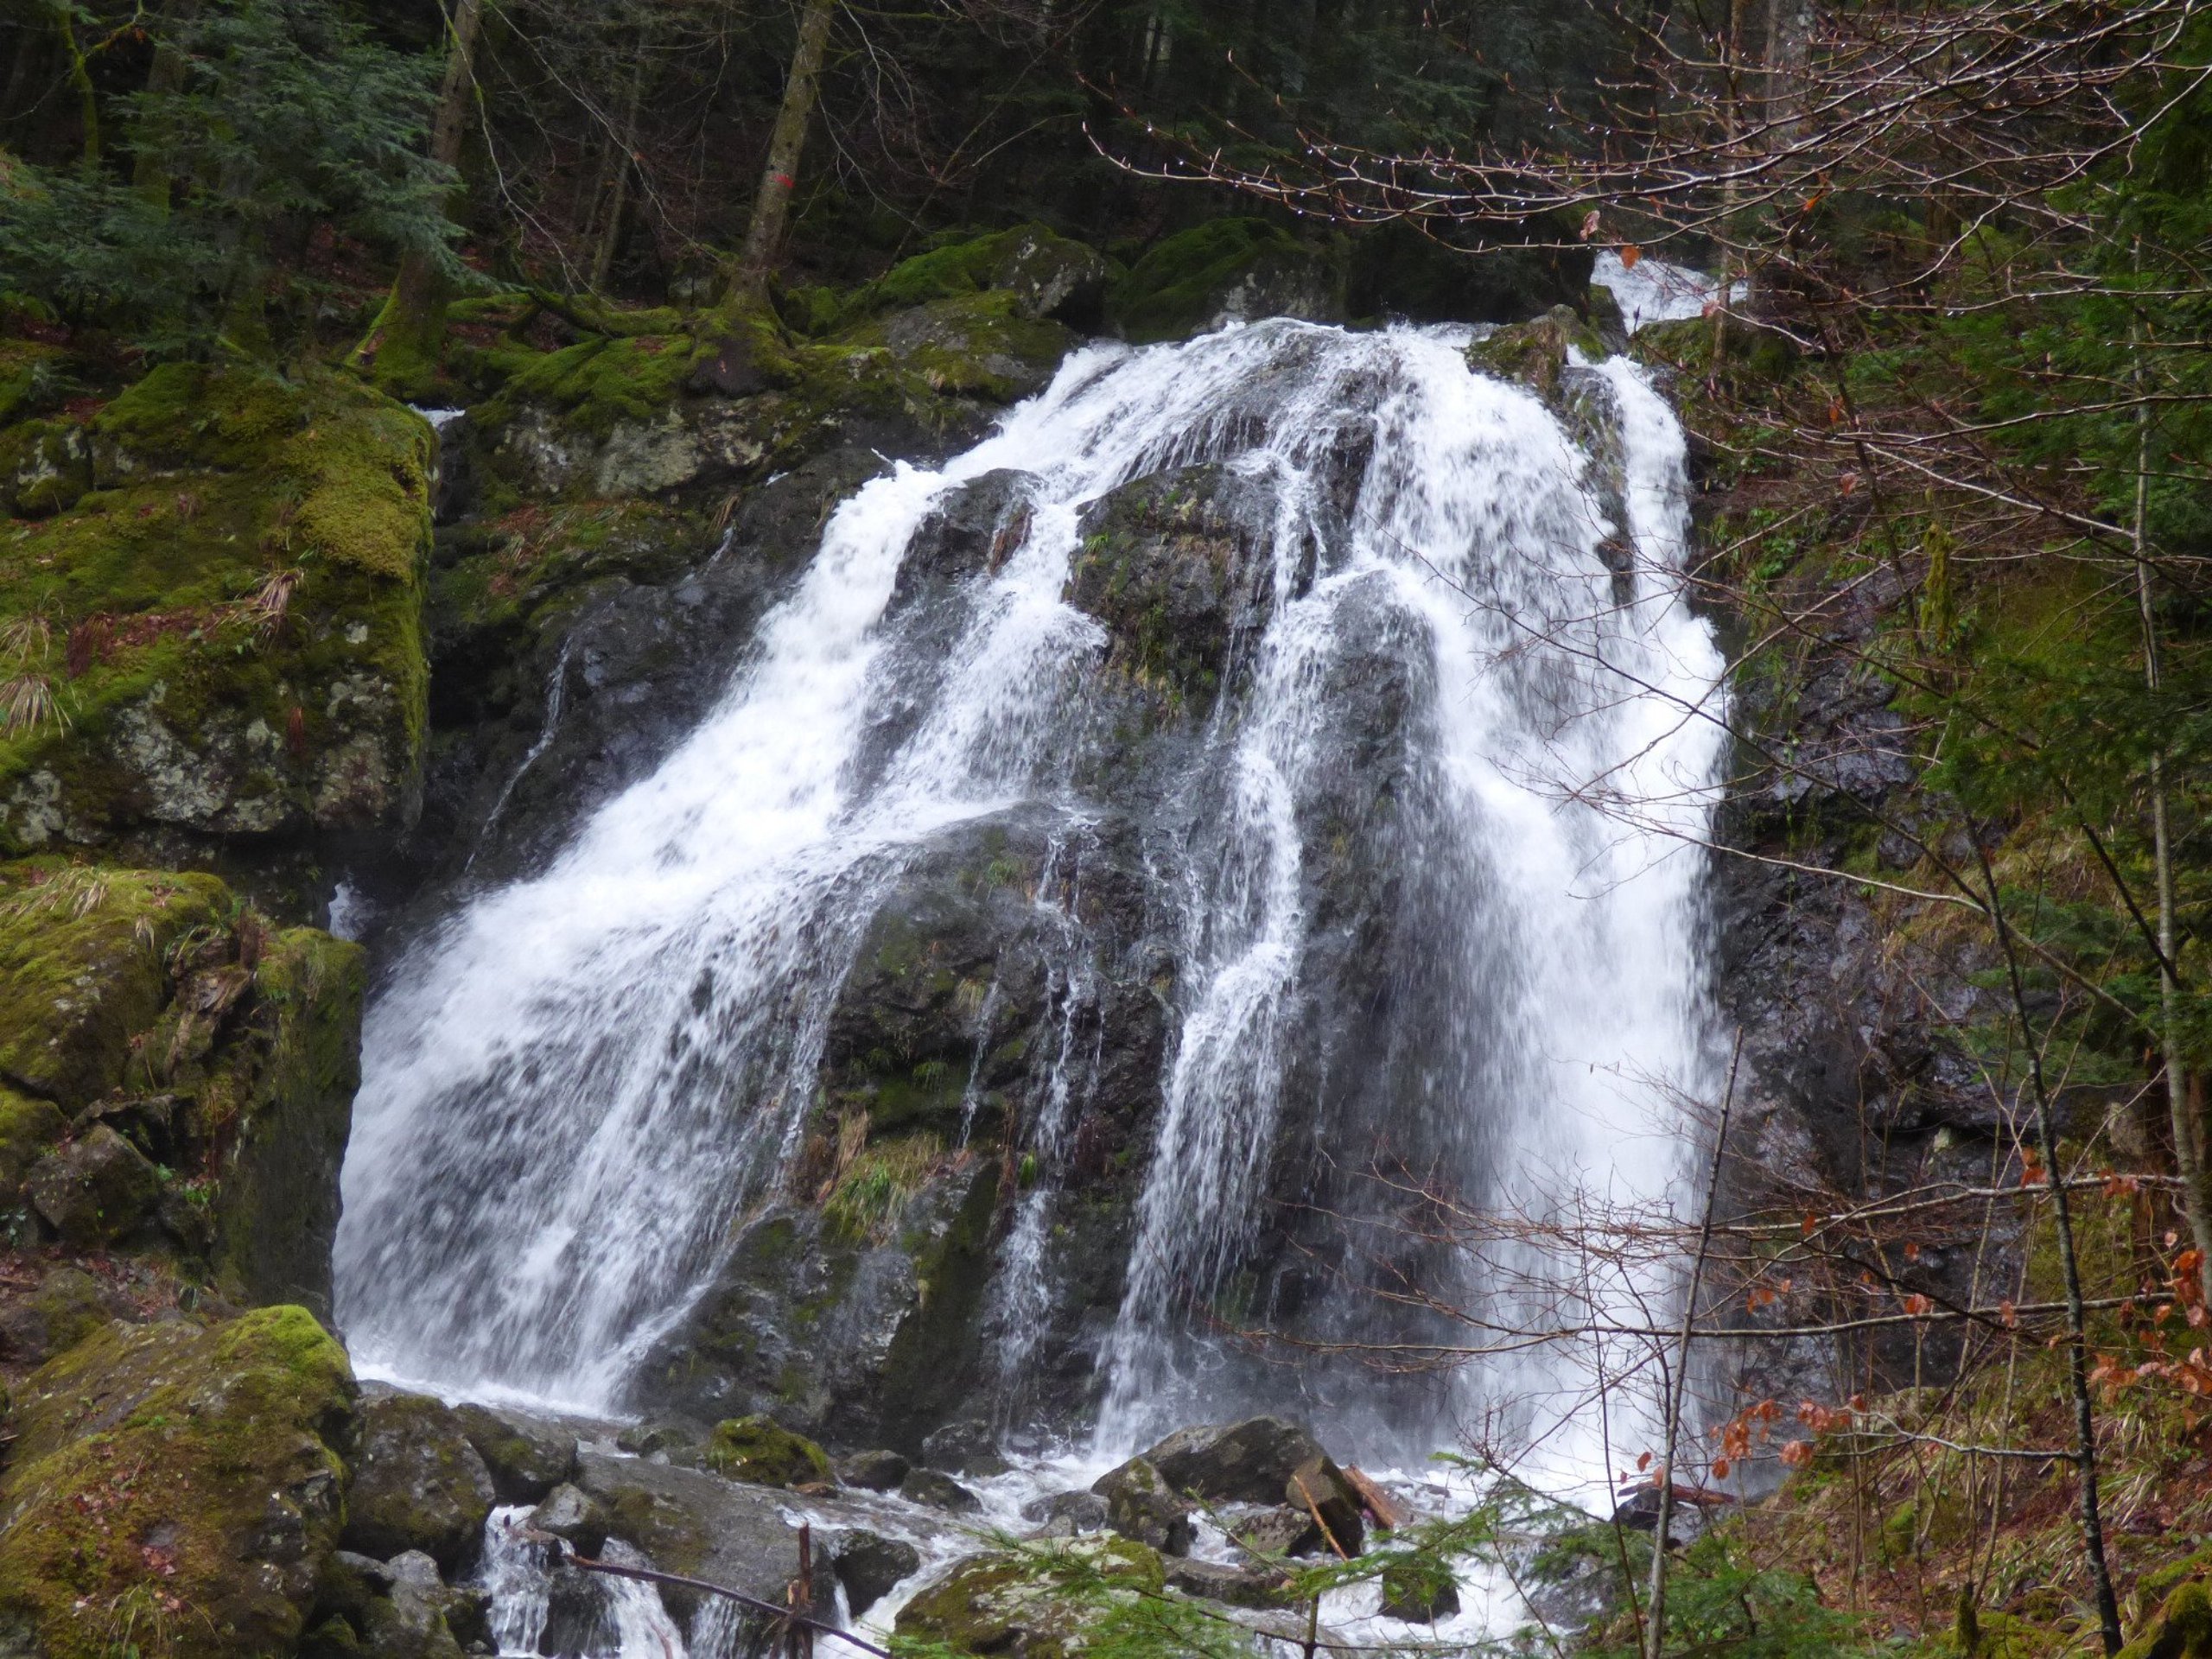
{"x":870,"y":1566}
{"x":418,"y":1484}
{"x":689,"y":1522}
{"x":1319,"y":1486}
{"x":526,"y":1456}
{"x":872,"y":1472}
{"x":1238,"y":1587}
{"x":94,"y":1191}
{"x":1143,"y":1506}
{"x":940,"y":1491}
{"x":1280,"y":1531}
{"x":1235,"y":1462}
{"x":965,"y":1448}
{"x":568,"y":1513}
{"x":1064,"y":1514}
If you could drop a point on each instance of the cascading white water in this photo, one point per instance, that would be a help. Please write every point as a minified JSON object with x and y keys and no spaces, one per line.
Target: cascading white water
{"x":575,"y":1086}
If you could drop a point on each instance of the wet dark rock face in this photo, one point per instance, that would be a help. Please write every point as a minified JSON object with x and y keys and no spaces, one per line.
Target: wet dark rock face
{"x":1853,"y":1079}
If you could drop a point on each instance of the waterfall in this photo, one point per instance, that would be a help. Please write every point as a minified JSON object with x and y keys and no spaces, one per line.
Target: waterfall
{"x":576,"y":1085}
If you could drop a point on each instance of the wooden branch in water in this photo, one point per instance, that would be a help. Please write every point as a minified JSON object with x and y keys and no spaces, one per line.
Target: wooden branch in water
{"x":650,"y":1576}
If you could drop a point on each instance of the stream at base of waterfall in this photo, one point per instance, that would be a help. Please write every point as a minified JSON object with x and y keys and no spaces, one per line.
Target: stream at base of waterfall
{"x":576,"y":1085}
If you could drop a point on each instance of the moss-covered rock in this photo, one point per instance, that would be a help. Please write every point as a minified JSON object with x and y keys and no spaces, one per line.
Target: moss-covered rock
{"x":1040,"y":1602}
{"x":417,"y":1484}
{"x":98,"y":1190}
{"x":1225,"y":269}
{"x":180,"y":1030}
{"x":760,"y":1451}
{"x":526,"y":1457}
{"x":277,"y":1149}
{"x":224,"y":635}
{"x":1045,"y":274}
{"x":174,"y":1490}
{"x":83,"y":970}
{"x":1535,"y":352}
{"x":1166,"y":564}
{"x":2183,"y":1629}
{"x":68,"y":1305}
{"x":28,"y":1128}
{"x":46,"y":466}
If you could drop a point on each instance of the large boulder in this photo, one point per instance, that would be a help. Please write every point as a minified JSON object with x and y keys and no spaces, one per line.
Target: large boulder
{"x":689,"y":1522}
{"x":1043,"y":275}
{"x":95,"y":1190}
{"x":175,"y":1486}
{"x":1167,"y":565}
{"x":83,"y":970}
{"x":1041,"y":1602}
{"x":188,"y":1036}
{"x":762,"y":1453}
{"x":417,"y":1484}
{"x":1143,"y":1506}
{"x":1227,"y":270}
{"x":526,"y":1457}
{"x":223,"y":639}
{"x":1235,"y":1462}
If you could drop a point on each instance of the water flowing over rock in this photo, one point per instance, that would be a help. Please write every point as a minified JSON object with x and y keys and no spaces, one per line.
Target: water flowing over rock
{"x":1266,"y":772}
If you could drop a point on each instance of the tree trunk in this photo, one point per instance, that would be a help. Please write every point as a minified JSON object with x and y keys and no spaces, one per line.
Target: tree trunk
{"x":616,"y":197}
{"x":410,"y":333}
{"x":2182,"y":1116}
{"x":2070,"y":1261}
{"x":764,"y":237}
{"x":150,"y":175}
{"x":80,"y":79}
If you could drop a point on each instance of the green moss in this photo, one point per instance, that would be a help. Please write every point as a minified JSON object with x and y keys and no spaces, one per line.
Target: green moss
{"x":236,"y":644}
{"x":2183,"y":1629}
{"x":1171,"y":291}
{"x":763,"y":1452}
{"x":28,"y":1128}
{"x":1535,"y":352}
{"x":1043,"y":1601}
{"x":28,"y":369}
{"x":600,"y":384}
{"x":175,"y":1487}
{"x":275,"y":1207}
{"x":81,"y":968}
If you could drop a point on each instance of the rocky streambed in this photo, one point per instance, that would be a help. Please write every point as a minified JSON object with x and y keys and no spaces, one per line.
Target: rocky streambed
{"x":486,"y":1528}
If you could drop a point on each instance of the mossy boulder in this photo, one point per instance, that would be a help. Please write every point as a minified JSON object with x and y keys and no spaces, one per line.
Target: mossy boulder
{"x":274,"y":1119}
{"x":526,"y":1457}
{"x":417,"y":1484}
{"x":176,"y":1490}
{"x":1535,"y":352}
{"x":1167,"y":564}
{"x":45,"y":467}
{"x":2181,"y":1630}
{"x":762,"y":1453}
{"x":98,"y":1190}
{"x":1042,"y":1602}
{"x":83,"y":970}
{"x":222,"y":636}
{"x":1141,"y":1505}
{"x":68,"y":1305}
{"x":29,"y":1127}
{"x":1228,"y":269}
{"x":1045,"y":274}
{"x":181,"y":1034}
